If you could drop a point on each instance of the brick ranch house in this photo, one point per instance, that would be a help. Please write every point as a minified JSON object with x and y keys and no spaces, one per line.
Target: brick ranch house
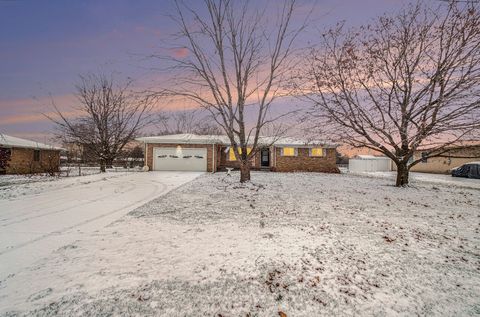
{"x":24,"y":156}
{"x":212,"y":153}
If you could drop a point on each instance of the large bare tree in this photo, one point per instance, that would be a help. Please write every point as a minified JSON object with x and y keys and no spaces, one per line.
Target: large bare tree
{"x":107,"y":117}
{"x":407,"y":82}
{"x":237,"y":57}
{"x":186,"y":121}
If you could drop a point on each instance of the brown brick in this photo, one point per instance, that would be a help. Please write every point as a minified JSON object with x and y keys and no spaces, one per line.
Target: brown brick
{"x":303,"y":162}
{"x":22,"y":162}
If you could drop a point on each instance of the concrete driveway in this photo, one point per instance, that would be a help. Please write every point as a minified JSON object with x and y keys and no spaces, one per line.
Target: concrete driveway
{"x":33,"y":226}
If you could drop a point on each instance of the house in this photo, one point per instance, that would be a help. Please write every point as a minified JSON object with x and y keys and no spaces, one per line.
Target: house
{"x":190,"y":152}
{"x":454,"y":157}
{"x":20,"y":156}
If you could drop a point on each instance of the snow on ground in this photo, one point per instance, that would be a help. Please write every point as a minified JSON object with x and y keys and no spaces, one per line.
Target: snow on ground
{"x":427,"y":178}
{"x":12,"y":186}
{"x":33,"y":226}
{"x":304,"y":244}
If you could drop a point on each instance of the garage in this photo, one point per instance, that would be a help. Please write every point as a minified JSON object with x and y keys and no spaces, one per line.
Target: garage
{"x":179,"y":159}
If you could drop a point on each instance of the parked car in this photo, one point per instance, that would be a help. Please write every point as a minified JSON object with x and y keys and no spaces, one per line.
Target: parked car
{"x":469,"y":170}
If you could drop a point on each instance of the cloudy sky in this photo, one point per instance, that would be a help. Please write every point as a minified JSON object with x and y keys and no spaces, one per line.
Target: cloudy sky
{"x":46,"y":44}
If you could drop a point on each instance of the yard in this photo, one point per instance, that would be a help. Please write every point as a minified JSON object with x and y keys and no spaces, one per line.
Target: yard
{"x":304,"y":244}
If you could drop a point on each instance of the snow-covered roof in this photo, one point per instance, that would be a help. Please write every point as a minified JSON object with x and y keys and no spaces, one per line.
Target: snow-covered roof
{"x":295,"y":142}
{"x":370,"y":157}
{"x":11,"y":141}
{"x":188,"y":138}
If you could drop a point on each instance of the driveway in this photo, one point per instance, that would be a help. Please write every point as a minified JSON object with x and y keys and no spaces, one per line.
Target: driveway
{"x":33,"y":226}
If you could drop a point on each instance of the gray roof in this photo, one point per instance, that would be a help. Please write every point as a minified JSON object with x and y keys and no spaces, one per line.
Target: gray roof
{"x":11,"y":142}
{"x":188,"y":138}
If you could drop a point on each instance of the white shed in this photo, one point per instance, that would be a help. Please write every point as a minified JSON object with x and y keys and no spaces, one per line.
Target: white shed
{"x":369,"y":163}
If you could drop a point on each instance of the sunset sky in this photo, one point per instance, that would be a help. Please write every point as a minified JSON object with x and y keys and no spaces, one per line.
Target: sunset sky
{"x":45,"y":45}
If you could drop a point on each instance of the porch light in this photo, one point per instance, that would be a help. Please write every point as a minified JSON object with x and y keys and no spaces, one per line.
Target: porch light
{"x":179,"y":150}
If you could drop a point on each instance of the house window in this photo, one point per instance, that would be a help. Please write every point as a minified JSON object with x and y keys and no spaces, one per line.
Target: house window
{"x":424,"y":157}
{"x":36,"y":155}
{"x":289,"y":151}
{"x":318,"y":151}
{"x":231,"y":153}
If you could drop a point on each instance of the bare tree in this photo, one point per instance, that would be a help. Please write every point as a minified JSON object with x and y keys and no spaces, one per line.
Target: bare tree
{"x":186,"y":121}
{"x":5,"y":156}
{"x":109,"y":116}
{"x":408,"y":82}
{"x":236,"y":62}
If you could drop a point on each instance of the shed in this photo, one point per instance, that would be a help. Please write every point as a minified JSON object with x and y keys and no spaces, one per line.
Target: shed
{"x":369,"y":163}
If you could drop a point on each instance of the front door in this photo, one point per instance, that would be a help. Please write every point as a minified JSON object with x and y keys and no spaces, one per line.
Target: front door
{"x":265,"y":157}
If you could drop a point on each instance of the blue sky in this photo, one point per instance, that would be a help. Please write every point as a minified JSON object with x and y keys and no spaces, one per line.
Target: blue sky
{"x":46,"y":44}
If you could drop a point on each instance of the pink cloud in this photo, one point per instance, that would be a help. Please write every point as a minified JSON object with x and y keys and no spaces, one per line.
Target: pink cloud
{"x":16,"y":111}
{"x":181,"y":52}
{"x":34,"y":117}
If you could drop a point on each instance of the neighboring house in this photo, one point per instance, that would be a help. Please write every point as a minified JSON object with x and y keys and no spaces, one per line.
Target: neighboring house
{"x":456,"y":156}
{"x":190,"y":152}
{"x":79,"y":153}
{"x":22,"y":156}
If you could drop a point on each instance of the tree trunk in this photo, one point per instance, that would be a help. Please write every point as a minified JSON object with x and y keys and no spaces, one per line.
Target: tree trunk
{"x":402,"y":175}
{"x":244,"y":172}
{"x":109,"y":163}
{"x":102,"y":166}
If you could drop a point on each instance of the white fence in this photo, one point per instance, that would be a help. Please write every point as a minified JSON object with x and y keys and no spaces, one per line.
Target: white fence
{"x":372,"y":164}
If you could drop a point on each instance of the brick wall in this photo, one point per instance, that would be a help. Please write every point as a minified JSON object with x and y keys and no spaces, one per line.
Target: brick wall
{"x":209,"y":148}
{"x":224,"y":161}
{"x":22,"y":161}
{"x":303,"y":162}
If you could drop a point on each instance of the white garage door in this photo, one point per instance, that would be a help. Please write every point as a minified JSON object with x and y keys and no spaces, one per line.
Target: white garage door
{"x":179,"y":159}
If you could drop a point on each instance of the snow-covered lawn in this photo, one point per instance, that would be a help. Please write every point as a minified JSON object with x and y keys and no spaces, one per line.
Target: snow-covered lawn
{"x":444,"y":179}
{"x":12,"y":186}
{"x":303,"y":244}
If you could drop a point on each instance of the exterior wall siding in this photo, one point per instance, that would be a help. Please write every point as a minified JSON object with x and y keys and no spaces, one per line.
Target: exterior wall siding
{"x":443,"y":165}
{"x":22,"y":161}
{"x":303,"y":162}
